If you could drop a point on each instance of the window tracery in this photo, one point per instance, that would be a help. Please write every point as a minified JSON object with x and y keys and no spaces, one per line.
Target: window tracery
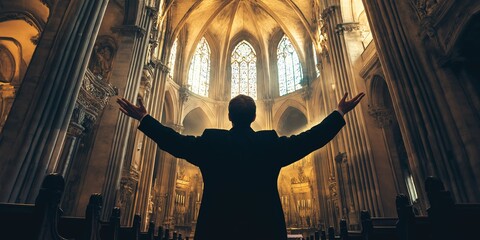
{"x":289,"y":68}
{"x":244,"y":70}
{"x":171,"y":60}
{"x":199,"y":73}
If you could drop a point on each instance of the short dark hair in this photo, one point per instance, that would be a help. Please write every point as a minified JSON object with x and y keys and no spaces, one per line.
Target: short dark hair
{"x":241,"y":110}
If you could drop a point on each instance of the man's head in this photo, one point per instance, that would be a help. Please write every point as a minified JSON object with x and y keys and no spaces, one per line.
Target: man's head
{"x":241,"y":110}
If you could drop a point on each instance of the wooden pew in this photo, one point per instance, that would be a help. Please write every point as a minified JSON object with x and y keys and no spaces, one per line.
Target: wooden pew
{"x":149,"y":235}
{"x":131,"y":233}
{"x":378,"y":228}
{"x":34,"y":221}
{"x":409,"y":226}
{"x":87,"y":228}
{"x":449,"y":220}
{"x":111,"y":230}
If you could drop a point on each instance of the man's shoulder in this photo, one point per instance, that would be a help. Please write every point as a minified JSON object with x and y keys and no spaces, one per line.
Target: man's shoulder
{"x":214,"y":132}
{"x":267,"y":133}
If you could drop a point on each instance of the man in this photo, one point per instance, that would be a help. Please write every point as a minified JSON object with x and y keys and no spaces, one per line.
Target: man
{"x":240,"y":167}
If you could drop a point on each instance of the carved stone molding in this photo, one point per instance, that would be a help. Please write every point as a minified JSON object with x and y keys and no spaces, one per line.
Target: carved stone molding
{"x":25,"y":16}
{"x":184,"y":94}
{"x":307,"y":92}
{"x":383,"y":117}
{"x":7,"y":95}
{"x":93,"y":97}
{"x":332,"y":186}
{"x":75,"y":130}
{"x":426,"y":9}
{"x":128,"y":185}
{"x":347,"y":27}
{"x":102,"y":57}
{"x":327,"y":12}
{"x":129,"y":30}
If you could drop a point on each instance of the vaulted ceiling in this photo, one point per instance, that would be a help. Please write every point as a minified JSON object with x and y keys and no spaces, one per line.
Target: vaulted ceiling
{"x":224,"y":21}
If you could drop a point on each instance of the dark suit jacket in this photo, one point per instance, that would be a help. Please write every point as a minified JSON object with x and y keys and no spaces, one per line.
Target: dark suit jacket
{"x":240,"y":168}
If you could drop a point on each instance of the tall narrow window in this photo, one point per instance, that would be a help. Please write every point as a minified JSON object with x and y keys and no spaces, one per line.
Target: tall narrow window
{"x":315,"y":59}
{"x":244,"y":70}
{"x":199,"y":73}
{"x":289,"y":67}
{"x":171,"y":60}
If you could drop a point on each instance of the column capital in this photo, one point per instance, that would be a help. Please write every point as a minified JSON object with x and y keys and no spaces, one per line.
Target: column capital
{"x":327,"y":12}
{"x":131,"y":30}
{"x":347,"y":27}
{"x":383,"y":116}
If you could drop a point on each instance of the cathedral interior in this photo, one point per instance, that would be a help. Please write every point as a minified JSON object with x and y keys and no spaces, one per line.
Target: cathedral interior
{"x":63,"y":64}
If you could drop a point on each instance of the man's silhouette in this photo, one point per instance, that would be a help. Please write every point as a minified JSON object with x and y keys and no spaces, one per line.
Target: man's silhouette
{"x":240,"y":167}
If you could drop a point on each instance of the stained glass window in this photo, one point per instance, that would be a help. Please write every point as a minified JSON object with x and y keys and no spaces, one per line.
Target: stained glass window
{"x":173,"y":55}
{"x":199,"y":73}
{"x":289,"y":67}
{"x":244,"y":70}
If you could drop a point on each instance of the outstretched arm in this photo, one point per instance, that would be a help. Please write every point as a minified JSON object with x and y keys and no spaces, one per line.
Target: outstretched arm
{"x":167,"y":139}
{"x":298,"y":146}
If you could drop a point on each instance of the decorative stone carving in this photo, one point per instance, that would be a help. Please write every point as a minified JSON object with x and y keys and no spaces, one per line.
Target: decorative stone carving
{"x":92,"y":99}
{"x":327,"y":12}
{"x":129,"y":30}
{"x":128,"y":185}
{"x":75,"y":129}
{"x":7,"y":95}
{"x":383,"y":116}
{"x":102,"y":57}
{"x":347,"y":27}
{"x":307,"y":92}
{"x":7,"y":65}
{"x":184,"y":94}
{"x":425,"y":11}
{"x":426,"y":7}
{"x":323,"y":42}
{"x":332,"y":186}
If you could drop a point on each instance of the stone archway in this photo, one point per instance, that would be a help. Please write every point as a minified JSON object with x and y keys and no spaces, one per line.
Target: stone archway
{"x":381,"y":109}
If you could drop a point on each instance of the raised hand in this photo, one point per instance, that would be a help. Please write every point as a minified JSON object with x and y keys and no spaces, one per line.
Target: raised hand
{"x":346,"y":106}
{"x":136,"y":112}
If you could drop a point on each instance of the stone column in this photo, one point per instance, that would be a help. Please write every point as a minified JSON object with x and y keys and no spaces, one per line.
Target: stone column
{"x":418,"y":100}
{"x":352,"y":139}
{"x":155,"y":104}
{"x":34,"y":133}
{"x":123,"y":133}
{"x":115,"y":136}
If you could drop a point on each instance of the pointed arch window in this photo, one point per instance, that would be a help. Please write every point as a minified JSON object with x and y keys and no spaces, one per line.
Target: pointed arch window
{"x":199,"y":73}
{"x":244,"y":70}
{"x":315,"y":59}
{"x":173,"y":55}
{"x":289,"y":68}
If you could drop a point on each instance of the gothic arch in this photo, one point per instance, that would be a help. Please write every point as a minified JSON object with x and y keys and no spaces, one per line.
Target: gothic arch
{"x":168,"y":113}
{"x":279,"y":112}
{"x":292,"y":121}
{"x":459,"y":29}
{"x":214,"y":56}
{"x":262,"y":73}
{"x":379,"y":94}
{"x":208,"y":117}
{"x":195,"y":121}
{"x":272,"y":57}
